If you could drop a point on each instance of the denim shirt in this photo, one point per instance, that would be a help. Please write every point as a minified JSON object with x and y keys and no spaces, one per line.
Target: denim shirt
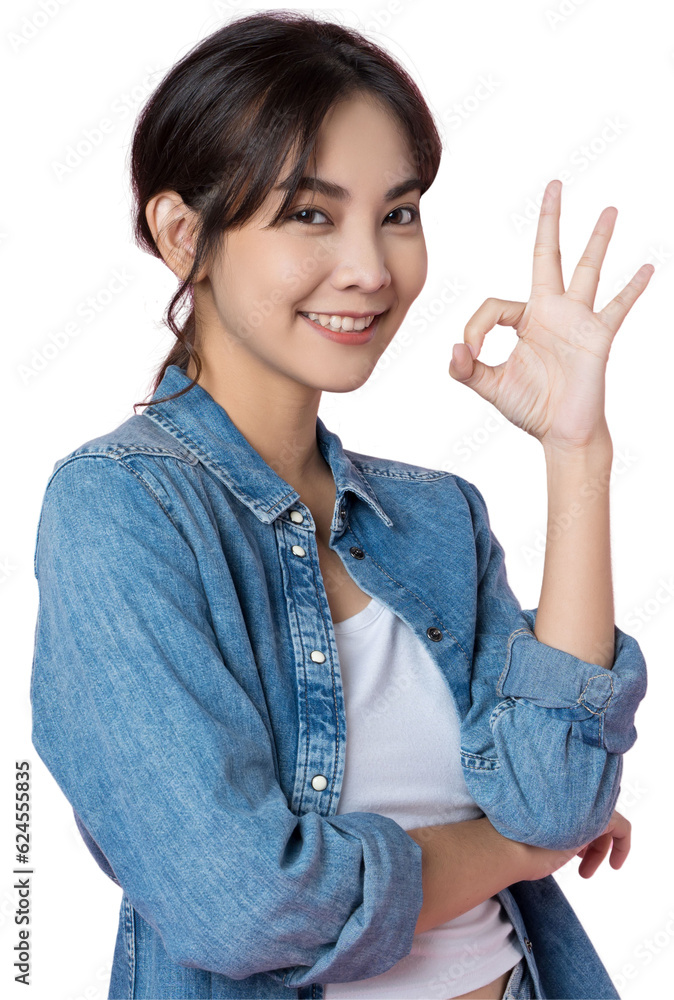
{"x":186,"y":697}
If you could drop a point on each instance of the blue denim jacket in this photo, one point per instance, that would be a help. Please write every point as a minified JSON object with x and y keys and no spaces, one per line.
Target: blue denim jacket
{"x":186,"y":697}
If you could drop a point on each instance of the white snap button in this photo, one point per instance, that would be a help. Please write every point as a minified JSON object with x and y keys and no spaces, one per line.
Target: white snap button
{"x":317,"y":656}
{"x":319,"y":782}
{"x":296,"y":516}
{"x":298,"y":550}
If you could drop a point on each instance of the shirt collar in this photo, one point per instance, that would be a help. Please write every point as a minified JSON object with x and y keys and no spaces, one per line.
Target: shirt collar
{"x":205,"y":428}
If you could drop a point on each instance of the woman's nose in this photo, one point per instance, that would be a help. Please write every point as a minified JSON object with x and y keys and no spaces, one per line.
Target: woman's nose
{"x":360,"y":262}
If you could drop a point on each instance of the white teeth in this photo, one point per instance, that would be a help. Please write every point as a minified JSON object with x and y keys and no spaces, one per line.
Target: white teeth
{"x":345,"y":324}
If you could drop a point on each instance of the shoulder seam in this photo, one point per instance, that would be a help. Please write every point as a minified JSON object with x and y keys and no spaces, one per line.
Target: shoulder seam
{"x":120,"y":460}
{"x":150,"y":490}
{"x":111,"y":457}
{"x":413,"y":472}
{"x":120,"y":450}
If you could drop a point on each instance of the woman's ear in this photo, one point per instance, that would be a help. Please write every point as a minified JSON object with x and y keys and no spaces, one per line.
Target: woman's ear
{"x":172,"y":225}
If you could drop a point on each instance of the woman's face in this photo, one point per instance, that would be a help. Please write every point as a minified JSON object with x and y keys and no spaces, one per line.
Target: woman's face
{"x":360,"y":251}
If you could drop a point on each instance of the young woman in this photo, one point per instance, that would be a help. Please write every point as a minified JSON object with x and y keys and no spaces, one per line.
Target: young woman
{"x":299,"y":714}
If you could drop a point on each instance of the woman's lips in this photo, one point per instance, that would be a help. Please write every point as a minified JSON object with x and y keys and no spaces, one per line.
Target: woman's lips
{"x":354,"y":338}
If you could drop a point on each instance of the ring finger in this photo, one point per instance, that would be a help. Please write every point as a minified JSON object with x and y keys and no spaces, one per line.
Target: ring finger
{"x":583,"y":284}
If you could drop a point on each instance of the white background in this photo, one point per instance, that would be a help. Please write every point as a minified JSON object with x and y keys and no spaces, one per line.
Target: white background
{"x":519,"y":91}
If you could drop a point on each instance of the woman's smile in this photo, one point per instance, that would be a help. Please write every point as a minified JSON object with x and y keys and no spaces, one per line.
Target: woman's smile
{"x":346,"y":322}
{"x":343,"y":328}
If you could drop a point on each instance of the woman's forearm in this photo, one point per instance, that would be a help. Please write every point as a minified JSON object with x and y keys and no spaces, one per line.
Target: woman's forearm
{"x":462,"y":865}
{"x":575,"y":611}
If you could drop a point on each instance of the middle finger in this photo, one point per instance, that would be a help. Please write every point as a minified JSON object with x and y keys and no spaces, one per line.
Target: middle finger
{"x":547,"y":271}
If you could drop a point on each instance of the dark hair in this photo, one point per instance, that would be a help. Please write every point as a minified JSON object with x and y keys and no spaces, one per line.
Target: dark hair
{"x":221,"y":123}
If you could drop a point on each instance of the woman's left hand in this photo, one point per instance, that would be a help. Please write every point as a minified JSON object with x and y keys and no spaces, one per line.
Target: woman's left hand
{"x":552,"y":385}
{"x":617,"y":837}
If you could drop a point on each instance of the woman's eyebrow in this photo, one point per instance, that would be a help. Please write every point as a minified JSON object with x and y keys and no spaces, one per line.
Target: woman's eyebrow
{"x":331,"y":190}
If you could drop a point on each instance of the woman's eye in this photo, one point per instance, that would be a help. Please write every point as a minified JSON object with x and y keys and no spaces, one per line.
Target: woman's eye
{"x":414,"y":214}
{"x":304,"y":215}
{"x":305,"y":212}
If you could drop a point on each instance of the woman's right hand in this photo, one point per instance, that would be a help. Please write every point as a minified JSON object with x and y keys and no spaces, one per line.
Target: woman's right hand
{"x":542,"y":861}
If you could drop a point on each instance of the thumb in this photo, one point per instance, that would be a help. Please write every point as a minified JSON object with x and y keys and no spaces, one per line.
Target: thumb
{"x":480,"y":377}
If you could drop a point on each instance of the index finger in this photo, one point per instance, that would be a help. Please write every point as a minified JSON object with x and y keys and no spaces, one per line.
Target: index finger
{"x":547,"y":271}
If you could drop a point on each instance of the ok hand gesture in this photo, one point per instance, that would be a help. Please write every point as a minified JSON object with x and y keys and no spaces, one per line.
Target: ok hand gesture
{"x":552,"y":385}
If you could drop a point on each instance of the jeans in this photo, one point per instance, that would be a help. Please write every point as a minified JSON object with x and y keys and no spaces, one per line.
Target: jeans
{"x":520,"y":986}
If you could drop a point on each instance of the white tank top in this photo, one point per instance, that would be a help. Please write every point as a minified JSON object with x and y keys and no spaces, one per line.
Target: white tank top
{"x":402,"y":761}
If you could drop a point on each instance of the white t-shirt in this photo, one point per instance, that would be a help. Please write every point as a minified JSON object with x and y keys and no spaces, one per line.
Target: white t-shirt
{"x":402,"y":761}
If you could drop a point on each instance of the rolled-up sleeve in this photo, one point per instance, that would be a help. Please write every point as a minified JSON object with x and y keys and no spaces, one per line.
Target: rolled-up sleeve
{"x":180,"y":791}
{"x":555,"y":679}
{"x":543,"y":741}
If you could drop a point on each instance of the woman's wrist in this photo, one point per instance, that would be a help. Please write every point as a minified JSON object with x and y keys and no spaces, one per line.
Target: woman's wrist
{"x":596,"y":450}
{"x":514,"y":855}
